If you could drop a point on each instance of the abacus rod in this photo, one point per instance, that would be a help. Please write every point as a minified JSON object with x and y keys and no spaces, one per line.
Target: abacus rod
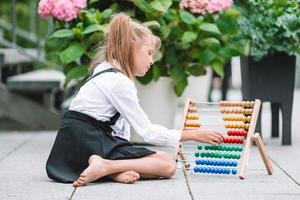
{"x":208,"y":103}
{"x":186,"y":160}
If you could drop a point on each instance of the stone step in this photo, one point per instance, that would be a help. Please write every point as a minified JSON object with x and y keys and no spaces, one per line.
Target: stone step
{"x":20,"y":113}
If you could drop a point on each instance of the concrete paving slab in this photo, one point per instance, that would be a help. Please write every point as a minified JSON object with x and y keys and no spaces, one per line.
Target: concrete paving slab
{"x":11,"y":141}
{"x":24,"y":172}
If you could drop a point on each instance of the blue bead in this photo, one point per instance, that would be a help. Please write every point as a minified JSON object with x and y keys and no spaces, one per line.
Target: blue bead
{"x":226,"y":163}
{"x":227,"y":171}
{"x":221,"y":163}
{"x":206,"y":170}
{"x":235,"y":163}
{"x":196,"y":169}
{"x":197,"y":162}
{"x":234,"y":171}
{"x":223,"y":171}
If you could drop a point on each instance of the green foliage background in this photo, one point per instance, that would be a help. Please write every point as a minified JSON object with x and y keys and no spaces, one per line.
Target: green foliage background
{"x":190,"y":43}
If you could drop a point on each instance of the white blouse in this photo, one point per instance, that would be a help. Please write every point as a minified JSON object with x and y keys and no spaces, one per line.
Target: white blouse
{"x":104,"y":95}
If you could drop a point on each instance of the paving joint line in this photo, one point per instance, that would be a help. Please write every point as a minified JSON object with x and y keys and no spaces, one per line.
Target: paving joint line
{"x":187,"y":182}
{"x":295,"y":181}
{"x":15,"y":149}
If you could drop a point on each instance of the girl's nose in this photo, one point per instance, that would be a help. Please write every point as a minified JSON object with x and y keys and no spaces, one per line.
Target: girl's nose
{"x":151,"y":61}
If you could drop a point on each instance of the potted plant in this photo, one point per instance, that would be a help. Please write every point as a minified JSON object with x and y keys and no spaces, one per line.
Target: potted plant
{"x":272,"y":30}
{"x":193,"y":38}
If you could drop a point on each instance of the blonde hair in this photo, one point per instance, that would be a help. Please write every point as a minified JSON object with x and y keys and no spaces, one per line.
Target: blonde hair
{"x":122,"y":35}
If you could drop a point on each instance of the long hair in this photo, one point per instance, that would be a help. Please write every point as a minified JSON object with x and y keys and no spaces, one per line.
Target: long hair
{"x":118,"y":46}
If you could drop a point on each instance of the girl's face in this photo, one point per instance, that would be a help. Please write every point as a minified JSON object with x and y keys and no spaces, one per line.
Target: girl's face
{"x":143,"y":57}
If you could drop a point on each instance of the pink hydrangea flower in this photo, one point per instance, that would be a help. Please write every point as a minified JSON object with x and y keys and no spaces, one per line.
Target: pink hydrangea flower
{"x":203,"y":6}
{"x":65,"y":10}
{"x":45,"y":7}
{"x":79,"y":3}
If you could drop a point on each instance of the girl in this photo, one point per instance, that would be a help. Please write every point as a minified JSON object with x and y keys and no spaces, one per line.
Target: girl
{"x":94,"y":139}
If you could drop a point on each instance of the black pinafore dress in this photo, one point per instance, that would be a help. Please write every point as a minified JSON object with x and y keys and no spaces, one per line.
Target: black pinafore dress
{"x":82,"y":136}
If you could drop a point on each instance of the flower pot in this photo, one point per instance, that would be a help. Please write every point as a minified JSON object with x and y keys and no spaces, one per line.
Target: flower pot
{"x":198,"y":87}
{"x":271,"y":79}
{"x":158,"y":100}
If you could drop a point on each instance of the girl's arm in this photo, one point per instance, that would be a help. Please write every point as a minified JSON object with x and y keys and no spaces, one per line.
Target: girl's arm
{"x":202,"y":135}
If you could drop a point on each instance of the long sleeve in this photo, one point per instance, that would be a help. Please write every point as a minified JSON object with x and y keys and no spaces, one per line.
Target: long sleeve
{"x":123,"y":96}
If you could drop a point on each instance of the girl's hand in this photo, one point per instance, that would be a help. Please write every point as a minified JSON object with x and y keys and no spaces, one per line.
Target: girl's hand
{"x":203,"y":135}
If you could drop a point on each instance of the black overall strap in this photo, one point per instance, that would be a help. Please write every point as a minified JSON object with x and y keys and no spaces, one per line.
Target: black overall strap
{"x":101,"y":72}
{"x":113,"y":119}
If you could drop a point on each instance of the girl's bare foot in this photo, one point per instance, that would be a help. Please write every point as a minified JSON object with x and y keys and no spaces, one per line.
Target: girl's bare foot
{"x":97,"y":168}
{"x":126,"y":177}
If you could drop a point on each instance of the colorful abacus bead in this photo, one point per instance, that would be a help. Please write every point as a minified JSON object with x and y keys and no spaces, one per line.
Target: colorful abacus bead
{"x":192,"y":124}
{"x":237,"y":133}
{"x":192,"y":109}
{"x":234,"y":171}
{"x":192,"y":117}
{"x":233,"y":140}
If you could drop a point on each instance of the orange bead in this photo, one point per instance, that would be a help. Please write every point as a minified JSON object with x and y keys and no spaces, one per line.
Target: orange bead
{"x":248,"y":118}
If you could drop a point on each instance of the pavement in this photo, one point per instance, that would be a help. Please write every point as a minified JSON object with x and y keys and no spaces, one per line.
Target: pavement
{"x":23,"y":156}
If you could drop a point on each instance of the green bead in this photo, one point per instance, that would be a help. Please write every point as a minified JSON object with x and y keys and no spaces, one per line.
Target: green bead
{"x":203,"y":154}
{"x":240,"y":148}
{"x":206,"y":147}
{"x":235,"y":148}
{"x":225,"y":155}
{"x":238,"y":156}
{"x":222,"y":147}
{"x":197,"y":154}
{"x":199,"y":147}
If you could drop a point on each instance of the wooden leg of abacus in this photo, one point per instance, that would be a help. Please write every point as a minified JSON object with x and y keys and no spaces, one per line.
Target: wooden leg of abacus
{"x":260,"y":145}
{"x":179,"y":153}
{"x":248,"y":144}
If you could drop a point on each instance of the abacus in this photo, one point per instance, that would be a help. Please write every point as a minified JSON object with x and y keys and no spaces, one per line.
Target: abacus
{"x":238,"y":121}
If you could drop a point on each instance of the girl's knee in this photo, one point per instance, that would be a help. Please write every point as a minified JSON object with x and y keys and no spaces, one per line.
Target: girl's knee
{"x":170,"y":169}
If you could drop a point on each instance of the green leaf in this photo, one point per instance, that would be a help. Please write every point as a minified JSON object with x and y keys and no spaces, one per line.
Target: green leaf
{"x":218,"y":66}
{"x":107,"y":13}
{"x":152,"y":23}
{"x":188,"y":37}
{"x":229,"y":52}
{"x":210,"y":28}
{"x":187,"y":17}
{"x":155,"y":72}
{"x":93,"y":28}
{"x":71,"y":53}
{"x":92,"y":1}
{"x":165,"y":31}
{"x":179,"y":77}
{"x":161,"y":5}
{"x":76,"y":73}
{"x":144,"y":6}
{"x":208,"y":42}
{"x":196,"y":70}
{"x":206,"y":56}
{"x":62,"y":33}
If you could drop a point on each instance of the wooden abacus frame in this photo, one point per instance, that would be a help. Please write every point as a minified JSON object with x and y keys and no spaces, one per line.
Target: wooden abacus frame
{"x":251,"y":137}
